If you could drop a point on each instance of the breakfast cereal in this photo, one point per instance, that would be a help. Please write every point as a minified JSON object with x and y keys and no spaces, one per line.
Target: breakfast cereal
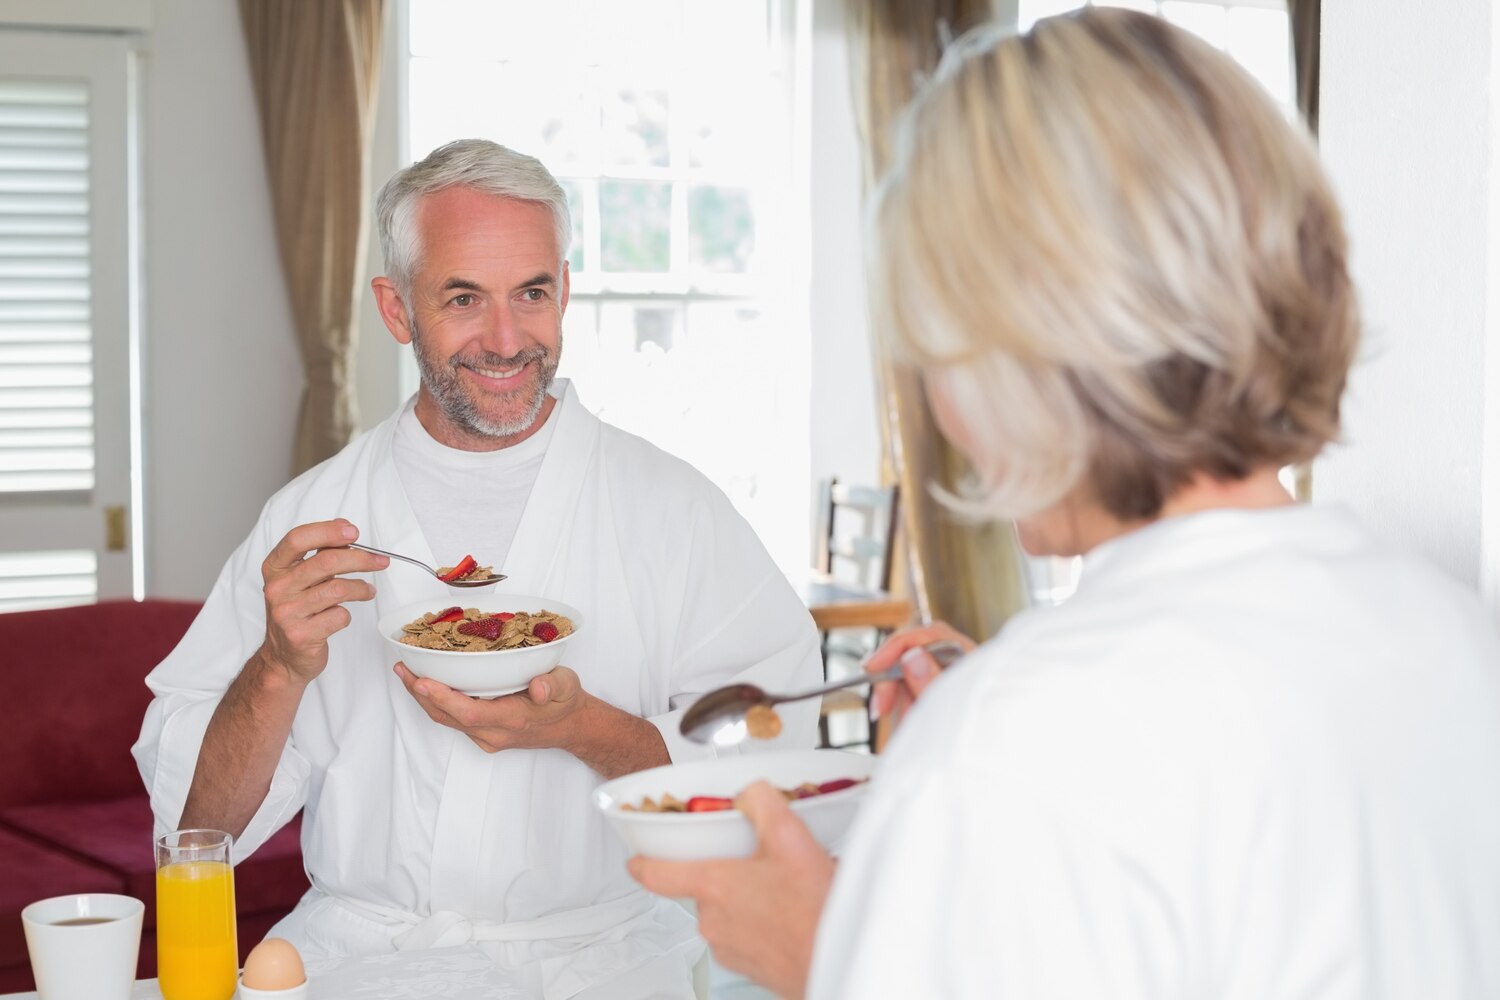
{"x":715,"y":803}
{"x":469,"y":630}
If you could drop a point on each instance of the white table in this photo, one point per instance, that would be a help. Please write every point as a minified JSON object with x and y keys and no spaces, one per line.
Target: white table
{"x":462,"y":973}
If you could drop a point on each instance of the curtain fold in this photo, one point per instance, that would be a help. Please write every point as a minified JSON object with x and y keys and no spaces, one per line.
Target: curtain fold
{"x":966,"y":574}
{"x":315,"y":66}
{"x":1306,"y":18}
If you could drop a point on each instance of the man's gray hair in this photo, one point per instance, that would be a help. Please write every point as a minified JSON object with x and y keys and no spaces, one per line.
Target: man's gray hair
{"x":473,"y":163}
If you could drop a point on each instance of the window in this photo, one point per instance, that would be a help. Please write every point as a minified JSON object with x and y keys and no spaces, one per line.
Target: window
{"x":669,"y":123}
{"x":67,"y":427}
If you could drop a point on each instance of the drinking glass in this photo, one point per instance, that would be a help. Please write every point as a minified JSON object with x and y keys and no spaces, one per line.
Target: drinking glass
{"x":196,"y":952}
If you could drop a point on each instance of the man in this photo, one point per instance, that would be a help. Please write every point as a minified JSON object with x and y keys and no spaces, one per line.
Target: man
{"x":432,"y":818}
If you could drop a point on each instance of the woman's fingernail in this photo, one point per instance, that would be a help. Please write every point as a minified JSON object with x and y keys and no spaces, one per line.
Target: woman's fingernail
{"x":915,"y":660}
{"x":874,"y":710}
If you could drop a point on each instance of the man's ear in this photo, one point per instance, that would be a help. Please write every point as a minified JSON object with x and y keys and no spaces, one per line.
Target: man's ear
{"x":392,"y":309}
{"x":563,"y":299}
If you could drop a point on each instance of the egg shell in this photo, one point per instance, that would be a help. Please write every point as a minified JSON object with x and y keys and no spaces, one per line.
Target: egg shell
{"x":274,"y":964}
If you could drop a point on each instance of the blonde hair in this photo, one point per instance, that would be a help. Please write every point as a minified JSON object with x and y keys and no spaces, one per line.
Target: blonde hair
{"x":1117,"y":261}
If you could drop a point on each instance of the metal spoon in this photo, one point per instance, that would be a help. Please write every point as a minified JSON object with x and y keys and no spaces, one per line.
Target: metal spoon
{"x":487,"y":582}
{"x":719,"y":716}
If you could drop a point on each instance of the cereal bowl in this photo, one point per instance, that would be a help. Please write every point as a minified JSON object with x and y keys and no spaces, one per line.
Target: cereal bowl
{"x":728,"y":834}
{"x":481,"y":674}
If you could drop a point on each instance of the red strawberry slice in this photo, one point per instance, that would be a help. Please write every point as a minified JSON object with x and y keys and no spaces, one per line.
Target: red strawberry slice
{"x":503,"y":616}
{"x":465,"y":566}
{"x":489,"y":628}
{"x":708,"y":804}
{"x":451,"y":615}
{"x":545,"y":631}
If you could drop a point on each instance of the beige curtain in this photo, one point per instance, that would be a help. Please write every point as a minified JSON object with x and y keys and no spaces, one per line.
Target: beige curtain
{"x":1306,"y":17}
{"x":314,"y":65}
{"x":968,"y":575}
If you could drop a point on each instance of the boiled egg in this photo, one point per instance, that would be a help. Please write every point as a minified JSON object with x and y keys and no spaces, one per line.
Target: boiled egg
{"x":273,"y":965}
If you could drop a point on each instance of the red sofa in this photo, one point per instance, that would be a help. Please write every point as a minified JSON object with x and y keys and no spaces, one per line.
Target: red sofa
{"x":74,"y":816}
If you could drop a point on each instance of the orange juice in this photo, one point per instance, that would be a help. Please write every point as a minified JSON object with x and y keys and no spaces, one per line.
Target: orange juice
{"x":195,"y":934}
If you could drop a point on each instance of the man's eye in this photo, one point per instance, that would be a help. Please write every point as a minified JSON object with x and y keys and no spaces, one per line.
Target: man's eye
{"x":464,"y":300}
{"x":534,"y":295}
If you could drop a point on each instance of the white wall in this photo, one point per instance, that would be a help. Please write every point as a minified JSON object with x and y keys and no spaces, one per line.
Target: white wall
{"x":843,"y":419}
{"x":223,"y":378}
{"x":1409,"y":133}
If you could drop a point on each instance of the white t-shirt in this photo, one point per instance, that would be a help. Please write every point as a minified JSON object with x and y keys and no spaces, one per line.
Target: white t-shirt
{"x":1255,"y":757}
{"x":493,"y":486}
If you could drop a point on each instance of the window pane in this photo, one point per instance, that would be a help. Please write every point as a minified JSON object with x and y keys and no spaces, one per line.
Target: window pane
{"x":635,"y":127}
{"x":1201,"y":19}
{"x":642,"y":33}
{"x":444,"y":105}
{"x":577,"y":250}
{"x":1145,"y":6}
{"x":1262,"y":42}
{"x":721,"y":229}
{"x":724,"y":119}
{"x":635,"y":220}
{"x":1032,"y":11}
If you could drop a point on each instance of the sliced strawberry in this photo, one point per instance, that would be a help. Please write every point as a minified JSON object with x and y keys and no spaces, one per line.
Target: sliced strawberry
{"x":451,"y":615}
{"x":545,"y":631}
{"x":503,"y":616}
{"x":490,"y":628}
{"x":708,"y":804}
{"x":465,"y":566}
{"x":837,"y":785}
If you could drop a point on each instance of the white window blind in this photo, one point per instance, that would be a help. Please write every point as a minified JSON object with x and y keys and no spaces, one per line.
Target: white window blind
{"x":46,"y":353}
{"x":48,"y":579}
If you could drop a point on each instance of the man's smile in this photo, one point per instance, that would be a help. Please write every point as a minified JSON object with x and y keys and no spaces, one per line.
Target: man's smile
{"x":499,"y":374}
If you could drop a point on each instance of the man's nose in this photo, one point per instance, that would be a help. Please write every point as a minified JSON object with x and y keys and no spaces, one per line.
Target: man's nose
{"x":503,"y":333}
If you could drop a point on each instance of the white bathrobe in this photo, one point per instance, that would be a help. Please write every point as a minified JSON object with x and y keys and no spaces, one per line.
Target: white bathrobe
{"x":1255,"y":757}
{"x":413,"y":836}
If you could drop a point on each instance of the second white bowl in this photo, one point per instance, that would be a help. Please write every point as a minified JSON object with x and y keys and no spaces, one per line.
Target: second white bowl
{"x":728,"y":834}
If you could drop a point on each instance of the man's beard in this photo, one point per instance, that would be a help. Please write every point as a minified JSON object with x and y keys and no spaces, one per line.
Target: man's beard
{"x":462,"y":404}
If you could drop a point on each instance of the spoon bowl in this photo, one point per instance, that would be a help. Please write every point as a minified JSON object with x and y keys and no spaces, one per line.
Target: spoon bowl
{"x":462,"y":584}
{"x":719,"y":716}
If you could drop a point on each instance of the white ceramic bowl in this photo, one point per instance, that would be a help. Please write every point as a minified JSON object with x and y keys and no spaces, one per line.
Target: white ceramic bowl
{"x":482,"y":675}
{"x":728,"y":834}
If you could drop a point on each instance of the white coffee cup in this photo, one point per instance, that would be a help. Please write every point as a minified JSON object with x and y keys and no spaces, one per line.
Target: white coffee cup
{"x":84,"y":947}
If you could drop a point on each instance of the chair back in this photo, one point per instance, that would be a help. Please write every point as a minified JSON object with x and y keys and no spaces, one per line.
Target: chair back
{"x":857,"y":533}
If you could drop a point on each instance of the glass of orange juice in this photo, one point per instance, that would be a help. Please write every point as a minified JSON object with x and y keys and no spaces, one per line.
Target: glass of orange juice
{"x":196,"y":953}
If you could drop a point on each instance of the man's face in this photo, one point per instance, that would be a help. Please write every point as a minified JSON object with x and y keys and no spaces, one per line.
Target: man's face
{"x":485,"y":312}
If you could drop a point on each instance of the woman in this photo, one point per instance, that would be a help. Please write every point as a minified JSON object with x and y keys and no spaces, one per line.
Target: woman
{"x":1257,"y":753}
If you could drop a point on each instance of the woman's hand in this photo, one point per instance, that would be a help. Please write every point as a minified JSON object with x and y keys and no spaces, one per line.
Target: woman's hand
{"x":918,"y":669}
{"x":759,"y":914}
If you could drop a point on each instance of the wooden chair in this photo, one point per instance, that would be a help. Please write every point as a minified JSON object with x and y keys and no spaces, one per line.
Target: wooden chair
{"x":856,"y":548}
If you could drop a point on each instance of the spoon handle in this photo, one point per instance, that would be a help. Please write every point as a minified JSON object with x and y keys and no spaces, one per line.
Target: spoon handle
{"x":392,"y":555}
{"x":945,"y":652}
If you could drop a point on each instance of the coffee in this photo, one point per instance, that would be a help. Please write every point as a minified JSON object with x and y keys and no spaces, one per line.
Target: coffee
{"x":81,"y":921}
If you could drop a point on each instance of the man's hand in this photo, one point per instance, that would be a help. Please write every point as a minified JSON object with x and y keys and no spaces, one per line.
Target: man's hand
{"x":760,"y":915}
{"x":918,"y":669}
{"x":250,"y":725}
{"x":553,"y":712}
{"x":305,"y":595}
